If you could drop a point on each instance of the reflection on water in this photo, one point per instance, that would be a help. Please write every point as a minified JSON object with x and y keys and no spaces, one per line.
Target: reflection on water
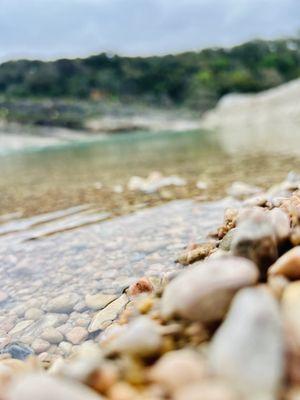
{"x":62,"y":177}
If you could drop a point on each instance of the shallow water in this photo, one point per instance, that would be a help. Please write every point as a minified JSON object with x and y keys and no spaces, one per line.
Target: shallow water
{"x":75,"y":249}
{"x":43,"y":180}
{"x":102,"y":258}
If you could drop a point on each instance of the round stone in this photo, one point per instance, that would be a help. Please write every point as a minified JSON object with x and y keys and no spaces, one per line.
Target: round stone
{"x":77,"y":335}
{"x":52,"y":335}
{"x":40,"y":346}
{"x":62,"y":304}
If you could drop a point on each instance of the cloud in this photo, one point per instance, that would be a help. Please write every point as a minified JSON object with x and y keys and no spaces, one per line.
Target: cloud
{"x":56,"y":28}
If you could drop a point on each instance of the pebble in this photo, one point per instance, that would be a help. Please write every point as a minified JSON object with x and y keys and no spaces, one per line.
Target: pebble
{"x":241,"y":190}
{"x":141,"y":337}
{"x":77,"y":335}
{"x":143,"y":285}
{"x":17,"y":350}
{"x":39,"y":386}
{"x":199,"y":252}
{"x":178,"y":368}
{"x":247,"y":349}
{"x":201,"y":185}
{"x":209,"y":390}
{"x":20,"y":310}
{"x":225,"y":243}
{"x":7,"y":323}
{"x":62,"y":304}
{"x":204,"y":292}
{"x":281,"y":223}
{"x":66,"y":347}
{"x":109,"y":313}
{"x":4,"y":340}
{"x":65,"y":328}
{"x":99,"y":300}
{"x":3,"y":296}
{"x":21,"y":326}
{"x":277,"y":284}
{"x":290,"y":304}
{"x":255,"y":239}
{"x":52,"y":335}
{"x":33,"y":314}
{"x":288,"y":264}
{"x":40,"y":346}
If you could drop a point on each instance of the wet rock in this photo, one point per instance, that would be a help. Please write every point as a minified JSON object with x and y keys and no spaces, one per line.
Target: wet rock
{"x":204,"y":292}
{"x":43,"y":387}
{"x":255,"y":239}
{"x":52,"y":335}
{"x":199,"y":252}
{"x":62,"y":304}
{"x":99,"y":300}
{"x":17,"y":350}
{"x":241,"y":190}
{"x":143,"y":285}
{"x":178,"y":368}
{"x":288,"y":264}
{"x":141,"y":337}
{"x":209,"y":390}
{"x":77,"y":335}
{"x":109,"y":313}
{"x":247,"y":350}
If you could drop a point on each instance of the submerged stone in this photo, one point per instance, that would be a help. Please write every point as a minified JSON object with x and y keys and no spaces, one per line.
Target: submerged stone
{"x":18,"y":350}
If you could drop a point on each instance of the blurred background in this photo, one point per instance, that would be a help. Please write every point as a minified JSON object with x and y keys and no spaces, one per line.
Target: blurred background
{"x":124,"y":104}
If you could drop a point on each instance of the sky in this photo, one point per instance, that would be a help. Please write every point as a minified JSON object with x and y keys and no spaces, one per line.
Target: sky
{"x":49,"y":29}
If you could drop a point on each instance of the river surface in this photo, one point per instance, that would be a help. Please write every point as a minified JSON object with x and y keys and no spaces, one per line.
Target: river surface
{"x":60,"y":246}
{"x":38,"y":180}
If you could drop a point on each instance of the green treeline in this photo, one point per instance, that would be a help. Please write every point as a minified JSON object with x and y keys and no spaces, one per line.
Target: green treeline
{"x":193,"y":79}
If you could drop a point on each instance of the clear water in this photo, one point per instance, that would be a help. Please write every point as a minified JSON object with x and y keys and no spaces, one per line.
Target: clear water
{"x":69,"y":175}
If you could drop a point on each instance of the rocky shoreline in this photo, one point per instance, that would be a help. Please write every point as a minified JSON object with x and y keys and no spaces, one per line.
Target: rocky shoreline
{"x":225,"y":327}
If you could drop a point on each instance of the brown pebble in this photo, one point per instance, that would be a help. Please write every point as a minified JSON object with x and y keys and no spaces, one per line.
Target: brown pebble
{"x":197,"y":253}
{"x":141,"y":286}
{"x":288,"y":264}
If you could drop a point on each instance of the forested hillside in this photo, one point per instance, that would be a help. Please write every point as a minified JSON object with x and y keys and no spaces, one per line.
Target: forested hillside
{"x":193,"y":79}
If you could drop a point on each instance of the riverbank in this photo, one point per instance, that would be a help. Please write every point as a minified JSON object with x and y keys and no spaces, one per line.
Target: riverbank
{"x":272,"y":111}
{"x":157,"y":340}
{"x":93,"y":116}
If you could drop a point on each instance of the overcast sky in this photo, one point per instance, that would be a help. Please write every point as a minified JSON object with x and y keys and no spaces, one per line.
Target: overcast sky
{"x":67,"y":28}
